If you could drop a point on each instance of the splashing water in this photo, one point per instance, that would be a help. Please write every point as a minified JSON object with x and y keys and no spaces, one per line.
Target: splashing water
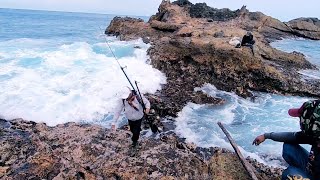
{"x":54,"y":77}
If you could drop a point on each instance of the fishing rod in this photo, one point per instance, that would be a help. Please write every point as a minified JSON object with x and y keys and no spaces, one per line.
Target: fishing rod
{"x":122,"y":68}
{"x":143,"y":106}
{"x":153,"y":127}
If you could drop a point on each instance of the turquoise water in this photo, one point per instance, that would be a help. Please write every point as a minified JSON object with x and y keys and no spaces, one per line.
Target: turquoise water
{"x":55,"y":68}
{"x":59,"y":26}
{"x":311,"y":49}
{"x":244,"y":118}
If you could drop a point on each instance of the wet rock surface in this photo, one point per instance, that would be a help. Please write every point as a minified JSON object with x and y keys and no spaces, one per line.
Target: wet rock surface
{"x":189,"y":43}
{"x":81,"y":151}
{"x":194,"y":51}
{"x":306,"y":27}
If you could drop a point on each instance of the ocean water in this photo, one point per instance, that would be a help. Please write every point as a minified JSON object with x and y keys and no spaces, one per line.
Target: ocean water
{"x":310,"y":48}
{"x":246,"y":118}
{"x":55,"y":67}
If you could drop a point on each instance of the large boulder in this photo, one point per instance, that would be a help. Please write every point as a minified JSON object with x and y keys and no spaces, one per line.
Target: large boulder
{"x":306,"y":27}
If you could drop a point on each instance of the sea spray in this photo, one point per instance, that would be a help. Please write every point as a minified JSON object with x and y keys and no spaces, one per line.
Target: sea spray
{"x":244,"y":118}
{"x":70,"y":82}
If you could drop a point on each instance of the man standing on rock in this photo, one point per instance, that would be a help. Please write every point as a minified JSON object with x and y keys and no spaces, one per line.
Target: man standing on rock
{"x":134,"y":112}
{"x":302,"y":165}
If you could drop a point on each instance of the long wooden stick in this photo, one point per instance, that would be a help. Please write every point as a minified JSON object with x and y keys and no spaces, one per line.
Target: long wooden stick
{"x":245,"y":164}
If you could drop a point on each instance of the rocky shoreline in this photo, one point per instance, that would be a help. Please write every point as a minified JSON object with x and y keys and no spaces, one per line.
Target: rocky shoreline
{"x":193,"y":51}
{"x":81,"y":151}
{"x":189,"y":43}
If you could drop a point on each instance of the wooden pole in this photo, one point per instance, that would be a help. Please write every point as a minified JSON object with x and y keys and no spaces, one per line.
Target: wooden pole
{"x":245,"y":164}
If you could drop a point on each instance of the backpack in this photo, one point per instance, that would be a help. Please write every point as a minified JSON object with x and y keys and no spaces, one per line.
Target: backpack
{"x":310,"y":119}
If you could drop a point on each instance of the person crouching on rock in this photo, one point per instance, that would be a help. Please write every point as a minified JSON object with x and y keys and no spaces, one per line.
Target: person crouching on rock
{"x":302,"y":165}
{"x":248,"y":41}
{"x":133,"y":110}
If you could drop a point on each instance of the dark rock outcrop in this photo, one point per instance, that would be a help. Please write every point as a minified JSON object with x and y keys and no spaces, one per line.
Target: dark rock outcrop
{"x":201,"y":10}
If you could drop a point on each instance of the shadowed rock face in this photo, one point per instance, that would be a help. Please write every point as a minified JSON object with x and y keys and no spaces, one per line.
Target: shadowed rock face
{"x":194,"y":51}
{"x":71,"y":151}
{"x":201,"y":10}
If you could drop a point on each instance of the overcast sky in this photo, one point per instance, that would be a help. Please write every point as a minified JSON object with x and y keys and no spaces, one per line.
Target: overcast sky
{"x":281,"y":9}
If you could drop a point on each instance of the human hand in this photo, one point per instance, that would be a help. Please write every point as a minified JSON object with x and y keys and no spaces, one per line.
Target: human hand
{"x":258,"y":140}
{"x":146,"y":111}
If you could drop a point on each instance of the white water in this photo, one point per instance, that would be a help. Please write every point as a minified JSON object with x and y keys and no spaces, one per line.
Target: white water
{"x":310,"y":48}
{"x":47,"y":81}
{"x":53,"y":73}
{"x":243,"y":118}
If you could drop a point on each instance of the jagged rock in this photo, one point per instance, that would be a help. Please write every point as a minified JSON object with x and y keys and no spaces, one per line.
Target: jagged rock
{"x":219,"y":34}
{"x":183,"y":3}
{"x":191,"y":52}
{"x":3,"y":171}
{"x":124,"y":31}
{"x":186,"y":49}
{"x":162,"y":26}
{"x":306,"y":27}
{"x":185,"y":32}
{"x":201,"y":10}
{"x":83,"y":151}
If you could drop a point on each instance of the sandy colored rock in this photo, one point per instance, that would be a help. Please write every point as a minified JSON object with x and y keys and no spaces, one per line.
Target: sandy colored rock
{"x":193,"y":53}
{"x":3,"y":171}
{"x":82,"y":151}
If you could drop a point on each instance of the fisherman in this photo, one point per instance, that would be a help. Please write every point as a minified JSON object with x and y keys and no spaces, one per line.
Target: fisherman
{"x":302,"y":165}
{"x":248,"y":41}
{"x":134,"y":112}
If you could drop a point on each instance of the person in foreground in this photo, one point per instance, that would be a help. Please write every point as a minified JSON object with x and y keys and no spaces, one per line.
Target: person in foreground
{"x":302,"y":164}
{"x":134,"y":112}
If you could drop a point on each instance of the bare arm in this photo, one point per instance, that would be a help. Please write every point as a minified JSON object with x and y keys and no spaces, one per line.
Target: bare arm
{"x":117,"y":112}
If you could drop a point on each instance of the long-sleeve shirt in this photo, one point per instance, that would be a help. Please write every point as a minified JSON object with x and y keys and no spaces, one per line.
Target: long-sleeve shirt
{"x":131,"y":113}
{"x":300,"y":138}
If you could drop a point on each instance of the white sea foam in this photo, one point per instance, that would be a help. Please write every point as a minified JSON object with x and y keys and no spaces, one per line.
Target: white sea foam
{"x":243,"y":118}
{"x":70,"y":82}
{"x":310,"y":74}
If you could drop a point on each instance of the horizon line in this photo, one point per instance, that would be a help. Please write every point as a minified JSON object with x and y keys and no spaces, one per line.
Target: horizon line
{"x":80,"y":12}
